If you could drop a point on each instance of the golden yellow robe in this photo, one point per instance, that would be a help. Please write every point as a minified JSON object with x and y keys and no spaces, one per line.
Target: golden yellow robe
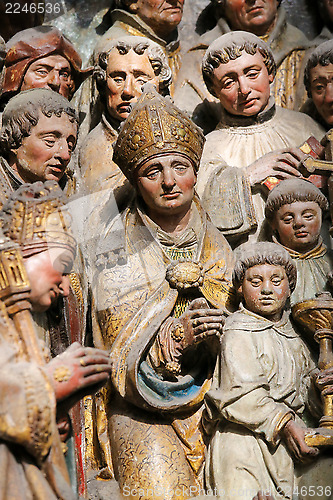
{"x":153,"y":421}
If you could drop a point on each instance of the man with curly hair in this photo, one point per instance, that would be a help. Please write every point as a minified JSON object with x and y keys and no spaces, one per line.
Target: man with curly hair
{"x":36,"y":140}
{"x":122,"y":70}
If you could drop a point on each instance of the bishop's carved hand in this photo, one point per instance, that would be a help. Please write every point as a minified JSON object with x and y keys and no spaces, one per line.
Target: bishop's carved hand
{"x":199,"y":322}
{"x":77,"y":372}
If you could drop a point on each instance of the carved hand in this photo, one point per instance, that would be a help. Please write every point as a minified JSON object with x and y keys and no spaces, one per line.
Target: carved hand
{"x":294,"y":438}
{"x":324,"y":381}
{"x":200,"y":322}
{"x":282,"y":164}
{"x":77,"y":372}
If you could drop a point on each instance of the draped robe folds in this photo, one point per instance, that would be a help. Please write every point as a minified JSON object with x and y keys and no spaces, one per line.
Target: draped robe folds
{"x":312,"y":268}
{"x":264,"y":374}
{"x":236,"y":143}
{"x":32,"y":463}
{"x":153,"y":420}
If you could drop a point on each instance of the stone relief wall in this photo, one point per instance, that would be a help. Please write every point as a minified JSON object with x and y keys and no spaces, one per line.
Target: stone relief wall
{"x":81,"y":18}
{"x":78,"y":19}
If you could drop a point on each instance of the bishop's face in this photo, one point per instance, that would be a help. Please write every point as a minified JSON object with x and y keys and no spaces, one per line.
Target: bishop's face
{"x":48,"y":276}
{"x":166,"y":184}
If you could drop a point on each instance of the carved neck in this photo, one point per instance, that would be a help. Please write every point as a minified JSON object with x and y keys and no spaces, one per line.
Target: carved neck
{"x":172,"y":224}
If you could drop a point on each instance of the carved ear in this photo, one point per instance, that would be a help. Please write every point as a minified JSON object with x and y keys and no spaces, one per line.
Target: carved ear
{"x":240,"y":290}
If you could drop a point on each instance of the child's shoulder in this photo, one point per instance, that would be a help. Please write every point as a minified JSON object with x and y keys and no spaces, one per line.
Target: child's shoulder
{"x":244,"y":320}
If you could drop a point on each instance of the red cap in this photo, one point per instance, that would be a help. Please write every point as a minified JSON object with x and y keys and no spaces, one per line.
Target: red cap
{"x":31,"y":44}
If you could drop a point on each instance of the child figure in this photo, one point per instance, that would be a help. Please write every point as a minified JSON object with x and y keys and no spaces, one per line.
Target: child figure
{"x":294,"y":210}
{"x":261,"y":390}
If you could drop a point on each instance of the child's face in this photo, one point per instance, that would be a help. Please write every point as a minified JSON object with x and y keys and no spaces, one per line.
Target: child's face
{"x":298,"y":225}
{"x":265,"y":290}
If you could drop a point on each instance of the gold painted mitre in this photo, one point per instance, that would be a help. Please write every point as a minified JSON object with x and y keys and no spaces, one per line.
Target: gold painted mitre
{"x":36,"y":218}
{"x":155,"y":126}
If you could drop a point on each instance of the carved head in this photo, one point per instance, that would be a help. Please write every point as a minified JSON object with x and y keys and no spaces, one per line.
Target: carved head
{"x":38,"y":135}
{"x":294,"y":210}
{"x":256,"y":16}
{"x":154,"y":128}
{"x":265,"y":276}
{"x":318,"y":80}
{"x":42,"y":57}
{"x":238,"y":68}
{"x":36,"y":218}
{"x":124,"y":68}
{"x":159,"y":150}
{"x":162,"y":16}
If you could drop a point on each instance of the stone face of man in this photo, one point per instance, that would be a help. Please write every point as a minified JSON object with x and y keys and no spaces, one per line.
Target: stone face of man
{"x":163,"y":16}
{"x":125,"y":77}
{"x":52,"y":72}
{"x":321,"y":87}
{"x":255,"y":16}
{"x":46,"y":152}
{"x":166,"y":184}
{"x":243,"y":84}
{"x":48,"y":276}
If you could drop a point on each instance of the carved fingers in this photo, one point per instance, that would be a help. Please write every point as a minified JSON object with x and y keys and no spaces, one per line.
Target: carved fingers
{"x":294,"y":437}
{"x":198,"y":324}
{"x":77,"y":369}
{"x":324,"y":381}
{"x":207,"y":322}
{"x":282,"y":164}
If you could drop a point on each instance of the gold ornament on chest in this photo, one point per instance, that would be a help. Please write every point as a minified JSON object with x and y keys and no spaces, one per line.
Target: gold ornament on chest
{"x":185,"y":274}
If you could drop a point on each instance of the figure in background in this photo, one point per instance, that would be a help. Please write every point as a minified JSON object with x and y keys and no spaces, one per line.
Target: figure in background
{"x":160,"y":287}
{"x":267,"y":20}
{"x":263,"y":390}
{"x":38,"y":392}
{"x":156,"y":20}
{"x":36,"y":142}
{"x":256,"y":138}
{"x":318,"y":81}
{"x":121,"y":72}
{"x":294,"y":211}
{"x":325,"y":8}
{"x":41,"y":57}
{"x":37,"y":138}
